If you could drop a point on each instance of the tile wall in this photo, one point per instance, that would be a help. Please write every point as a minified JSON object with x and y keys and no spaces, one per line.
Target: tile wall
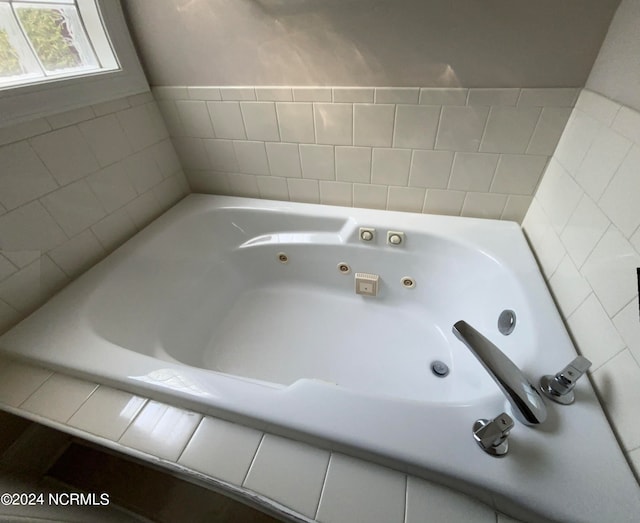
{"x":584,"y":226}
{"x":73,"y":187}
{"x":470,"y":152}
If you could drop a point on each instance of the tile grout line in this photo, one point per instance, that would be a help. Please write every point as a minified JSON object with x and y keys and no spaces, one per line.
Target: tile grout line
{"x":324,"y":484}
{"x":186,"y":444}
{"x":253,"y":460}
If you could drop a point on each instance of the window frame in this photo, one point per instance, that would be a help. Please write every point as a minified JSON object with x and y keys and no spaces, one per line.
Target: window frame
{"x":55,"y":95}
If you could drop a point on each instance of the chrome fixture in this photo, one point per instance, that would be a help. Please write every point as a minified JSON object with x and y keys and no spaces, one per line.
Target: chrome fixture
{"x":507,"y":322}
{"x":395,"y":238}
{"x":526,"y":402}
{"x":559,"y":388}
{"x":492,"y":435}
{"x":440,"y":369}
{"x":367,"y":234}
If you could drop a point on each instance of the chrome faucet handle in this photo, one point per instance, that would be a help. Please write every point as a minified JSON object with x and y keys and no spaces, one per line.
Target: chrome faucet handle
{"x":559,"y":388}
{"x":491,"y":435}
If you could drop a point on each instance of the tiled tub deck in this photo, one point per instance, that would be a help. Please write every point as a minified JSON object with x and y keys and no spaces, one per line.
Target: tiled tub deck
{"x":294,"y":480}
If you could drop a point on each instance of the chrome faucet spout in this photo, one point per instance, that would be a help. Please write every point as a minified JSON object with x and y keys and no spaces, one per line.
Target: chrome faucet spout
{"x":528,"y":406}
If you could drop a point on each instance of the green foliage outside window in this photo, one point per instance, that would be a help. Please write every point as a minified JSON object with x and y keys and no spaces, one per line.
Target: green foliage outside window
{"x":50,"y":36}
{"x":9,"y":61}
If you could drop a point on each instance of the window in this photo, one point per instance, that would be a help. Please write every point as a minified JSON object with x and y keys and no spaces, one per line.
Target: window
{"x":57,"y":55}
{"x":47,"y":39}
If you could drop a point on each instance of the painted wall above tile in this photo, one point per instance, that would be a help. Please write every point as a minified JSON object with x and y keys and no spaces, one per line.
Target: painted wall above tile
{"x":435,"y":43}
{"x":471,"y":152}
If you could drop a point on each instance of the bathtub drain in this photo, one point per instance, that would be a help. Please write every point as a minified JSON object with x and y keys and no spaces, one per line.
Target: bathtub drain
{"x":440,"y":369}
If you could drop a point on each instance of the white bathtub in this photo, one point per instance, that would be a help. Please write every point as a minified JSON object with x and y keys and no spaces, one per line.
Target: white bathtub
{"x":199,"y":310}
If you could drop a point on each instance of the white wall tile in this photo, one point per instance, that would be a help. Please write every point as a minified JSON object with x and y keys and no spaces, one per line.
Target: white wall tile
{"x":243,"y":185}
{"x":620,"y":198}
{"x":209,"y":182}
{"x":509,"y":129}
{"x":71,"y":117}
{"x":227,"y":120}
{"x":74,"y":207}
{"x":594,"y":332}
{"x":222,"y":450}
{"x":440,"y":201}
{"x":548,"y":130}
{"x":20,"y":131}
{"x":8,"y":317}
{"x":336,"y":193}
{"x":296,"y":122}
{"x":390,"y":166}
{"x":251,"y":157}
{"x":169,"y":191}
{"x":29,"y":228}
{"x":305,"y":191}
{"x":408,"y":199}
{"x":473,"y":171}
{"x":170,"y":92}
{"x":140,"y":98}
{"x":106,"y":139}
{"x":114,"y":229}
{"x":443,"y":96}
{"x":461,"y":128}
{"x":484,"y":205}
{"x":301,"y":471}
{"x":353,"y":94}
{"x":195,"y":118}
{"x":78,"y":254}
{"x":597,"y":106}
{"x":192,"y":153}
{"x":143,"y":209}
{"x":628,"y":326}
{"x":142,"y":170}
{"x":415,"y":126}
{"x":317,"y":162}
{"x":284,"y":159}
{"x":627,"y":123}
{"x":18,"y":381}
{"x":558,"y":194}
{"x":584,"y":230}
{"x":579,"y":133}
{"x":166,"y":158}
{"x":260,"y":121}
{"x":59,"y":397}
{"x":6,"y":267}
{"x":202,"y":93}
{"x":312,"y":94}
{"x":601,"y":162}
{"x":430,"y":169}
{"x":28,"y":288}
{"x":516,"y":208}
{"x":112,"y":186}
{"x":518,"y":173}
{"x":353,"y":164}
{"x":618,"y":383}
{"x":397,"y":95}
{"x":502,"y":96}
{"x":273,"y":188}
{"x":373,"y":124}
{"x":161,"y":430}
{"x":611,"y":271}
{"x":334,"y":123}
{"x":238,"y":93}
{"x":425,"y":499}
{"x":274,"y":94}
{"x":66,"y":154}
{"x":222,"y":155}
{"x":107,"y":412}
{"x":370,"y":196}
{"x":142,"y":125}
{"x":549,"y":250}
{"x":23,"y":177}
{"x":169,"y":113}
{"x":569,"y":287}
{"x":544,"y":97}
{"x":375,"y":493}
{"x":112,"y":106}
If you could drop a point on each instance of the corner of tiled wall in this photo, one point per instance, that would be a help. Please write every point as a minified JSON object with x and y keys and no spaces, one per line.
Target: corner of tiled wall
{"x":584,"y":226}
{"x":74,"y":186}
{"x":469,"y":152}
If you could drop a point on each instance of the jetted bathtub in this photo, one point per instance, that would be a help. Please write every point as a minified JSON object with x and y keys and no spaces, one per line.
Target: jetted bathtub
{"x":247,"y":309}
